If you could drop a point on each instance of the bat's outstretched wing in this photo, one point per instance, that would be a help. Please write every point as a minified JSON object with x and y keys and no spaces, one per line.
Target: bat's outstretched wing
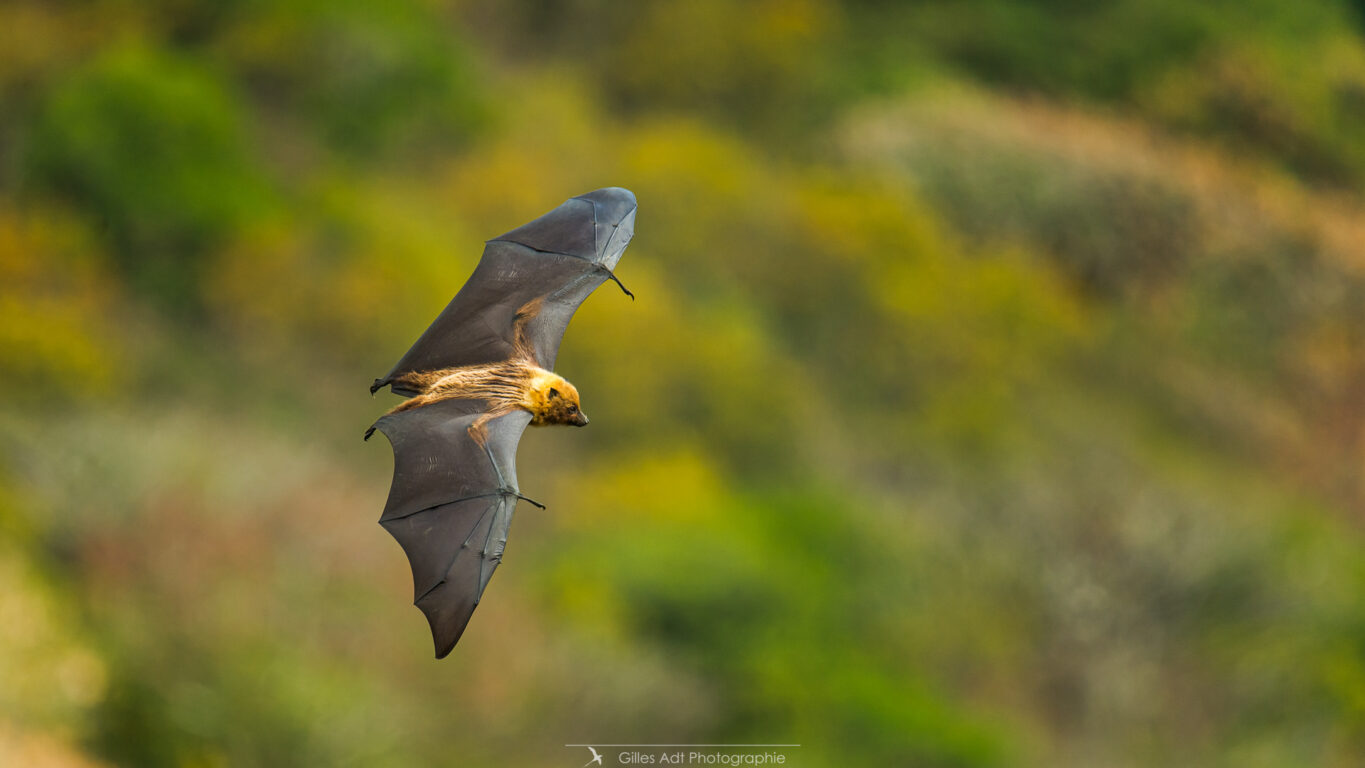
{"x":451,"y":505}
{"x":558,"y":259}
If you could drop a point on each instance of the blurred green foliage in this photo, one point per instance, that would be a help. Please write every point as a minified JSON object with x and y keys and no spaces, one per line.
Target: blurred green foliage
{"x":154,"y":150}
{"x":992,"y":396}
{"x":361,"y":77}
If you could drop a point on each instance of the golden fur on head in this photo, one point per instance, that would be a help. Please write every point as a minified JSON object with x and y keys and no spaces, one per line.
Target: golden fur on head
{"x":552,"y":400}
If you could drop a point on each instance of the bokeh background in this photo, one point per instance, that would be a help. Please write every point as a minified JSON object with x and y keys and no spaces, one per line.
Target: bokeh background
{"x":995,"y":394}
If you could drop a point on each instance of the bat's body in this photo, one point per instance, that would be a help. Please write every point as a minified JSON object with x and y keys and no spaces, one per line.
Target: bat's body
{"x":547,"y":396}
{"x":476,"y":378}
{"x":514,"y":383}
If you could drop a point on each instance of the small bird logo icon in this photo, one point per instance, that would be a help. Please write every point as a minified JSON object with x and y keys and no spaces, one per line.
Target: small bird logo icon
{"x":596,"y":758}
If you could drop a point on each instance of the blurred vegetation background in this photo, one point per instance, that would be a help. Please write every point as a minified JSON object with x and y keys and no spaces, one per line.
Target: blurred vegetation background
{"x":995,"y":395}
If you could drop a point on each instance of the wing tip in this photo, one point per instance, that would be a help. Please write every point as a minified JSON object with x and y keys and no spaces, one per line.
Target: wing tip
{"x":612,"y":206}
{"x":595,"y":226}
{"x":610,"y":195}
{"x":445,"y":638}
{"x":443,"y":642}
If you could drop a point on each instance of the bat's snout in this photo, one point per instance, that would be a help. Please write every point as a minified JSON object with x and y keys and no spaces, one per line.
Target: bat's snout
{"x":581,"y":420}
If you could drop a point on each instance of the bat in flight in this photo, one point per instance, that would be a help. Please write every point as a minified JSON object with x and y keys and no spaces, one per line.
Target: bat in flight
{"x":475,"y":379}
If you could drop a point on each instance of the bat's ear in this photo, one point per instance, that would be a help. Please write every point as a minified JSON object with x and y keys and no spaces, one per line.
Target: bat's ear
{"x":553,"y":393}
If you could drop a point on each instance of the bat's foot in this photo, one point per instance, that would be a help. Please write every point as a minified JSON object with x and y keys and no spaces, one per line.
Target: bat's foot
{"x":510,"y":492}
{"x":618,"y":282}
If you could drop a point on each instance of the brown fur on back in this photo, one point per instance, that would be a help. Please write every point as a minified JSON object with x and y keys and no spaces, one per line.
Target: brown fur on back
{"x":502,"y":385}
{"x":498,"y":383}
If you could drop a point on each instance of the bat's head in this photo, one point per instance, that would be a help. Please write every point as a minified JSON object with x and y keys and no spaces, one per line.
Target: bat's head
{"x":553,"y":400}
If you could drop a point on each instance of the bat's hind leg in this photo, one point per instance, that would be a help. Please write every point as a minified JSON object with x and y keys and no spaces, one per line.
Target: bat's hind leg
{"x":612,"y":276}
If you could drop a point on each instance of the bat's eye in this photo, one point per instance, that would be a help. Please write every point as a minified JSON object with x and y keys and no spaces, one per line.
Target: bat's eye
{"x":553,"y":393}
{"x":573,"y":409}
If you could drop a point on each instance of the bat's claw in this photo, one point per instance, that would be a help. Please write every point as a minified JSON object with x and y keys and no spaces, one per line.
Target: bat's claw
{"x":369,"y":432}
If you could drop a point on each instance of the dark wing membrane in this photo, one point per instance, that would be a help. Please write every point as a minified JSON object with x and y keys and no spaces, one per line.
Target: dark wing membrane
{"x":559,"y":258}
{"x":451,"y":505}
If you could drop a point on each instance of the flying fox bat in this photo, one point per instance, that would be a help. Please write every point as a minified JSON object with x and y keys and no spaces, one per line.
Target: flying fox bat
{"x":475,"y":379}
